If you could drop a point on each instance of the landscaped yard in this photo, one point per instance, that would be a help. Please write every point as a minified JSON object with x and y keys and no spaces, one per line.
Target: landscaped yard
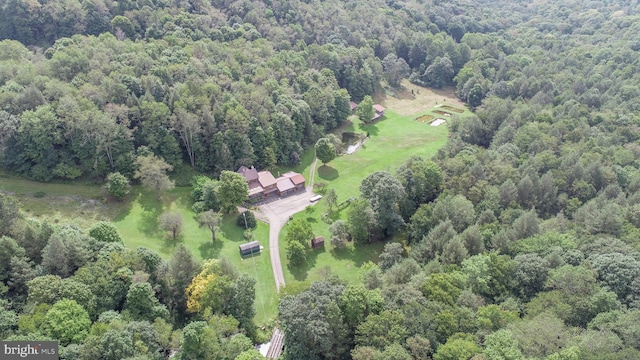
{"x":393,"y":139}
{"x":138,"y":226}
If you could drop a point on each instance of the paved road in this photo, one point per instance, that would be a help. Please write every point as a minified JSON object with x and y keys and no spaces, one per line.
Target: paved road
{"x":277,"y":213}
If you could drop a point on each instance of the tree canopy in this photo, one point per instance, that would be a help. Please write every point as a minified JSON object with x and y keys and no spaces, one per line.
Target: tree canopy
{"x":519,"y":239}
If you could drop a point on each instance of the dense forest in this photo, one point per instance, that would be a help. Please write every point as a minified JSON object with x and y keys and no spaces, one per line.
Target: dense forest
{"x":519,"y":240}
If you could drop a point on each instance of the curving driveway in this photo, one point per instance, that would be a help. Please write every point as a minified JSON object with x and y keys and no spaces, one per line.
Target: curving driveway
{"x":277,"y":213}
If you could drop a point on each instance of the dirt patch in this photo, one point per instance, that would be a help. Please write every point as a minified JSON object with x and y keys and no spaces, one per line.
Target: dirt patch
{"x":424,"y":118}
{"x":412,"y":99}
{"x":442,"y":112}
{"x":451,"y":108}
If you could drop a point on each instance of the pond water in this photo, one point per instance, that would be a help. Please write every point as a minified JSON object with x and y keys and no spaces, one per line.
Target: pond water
{"x":351,"y":141}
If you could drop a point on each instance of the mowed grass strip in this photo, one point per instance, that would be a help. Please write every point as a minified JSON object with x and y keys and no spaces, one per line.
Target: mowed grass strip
{"x":393,"y":140}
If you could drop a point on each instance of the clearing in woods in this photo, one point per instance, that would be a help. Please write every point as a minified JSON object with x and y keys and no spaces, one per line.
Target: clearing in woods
{"x":412,"y":99}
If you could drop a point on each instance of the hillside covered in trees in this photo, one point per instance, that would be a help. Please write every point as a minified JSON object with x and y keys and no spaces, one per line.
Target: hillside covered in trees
{"x":519,"y":240}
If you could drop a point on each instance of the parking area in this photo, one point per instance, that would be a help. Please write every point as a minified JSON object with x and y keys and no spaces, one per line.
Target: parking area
{"x":287,"y":206}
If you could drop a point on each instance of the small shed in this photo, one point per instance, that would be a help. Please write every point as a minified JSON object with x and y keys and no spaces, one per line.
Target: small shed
{"x":249,"y":248}
{"x":317,"y":242}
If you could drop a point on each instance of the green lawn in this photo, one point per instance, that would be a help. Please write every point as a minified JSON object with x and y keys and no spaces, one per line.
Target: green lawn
{"x":139,"y":227}
{"x":344,"y":263}
{"x":393,"y":139}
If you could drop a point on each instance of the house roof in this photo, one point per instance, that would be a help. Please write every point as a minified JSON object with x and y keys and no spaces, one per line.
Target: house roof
{"x":255,"y":190}
{"x":284,"y":184}
{"x":353,"y":105}
{"x":296,"y":178}
{"x":265,"y":179}
{"x":379,"y":108}
{"x":248,"y":174}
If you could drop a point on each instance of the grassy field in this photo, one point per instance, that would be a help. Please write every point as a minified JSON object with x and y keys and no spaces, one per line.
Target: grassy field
{"x":393,"y":139}
{"x":81,"y":204}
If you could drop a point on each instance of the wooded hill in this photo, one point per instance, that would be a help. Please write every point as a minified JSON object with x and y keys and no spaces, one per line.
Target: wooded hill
{"x":526,"y":248}
{"x":212,"y":87}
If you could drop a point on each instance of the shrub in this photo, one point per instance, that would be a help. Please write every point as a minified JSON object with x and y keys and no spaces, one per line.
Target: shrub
{"x":117,"y":185}
{"x":251,"y":220}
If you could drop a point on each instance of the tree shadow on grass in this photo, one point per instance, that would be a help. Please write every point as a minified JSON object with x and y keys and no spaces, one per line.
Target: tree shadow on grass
{"x":230,"y":230}
{"x":333,"y":215}
{"x":300,"y":273}
{"x":185,"y":202}
{"x":169,"y":243}
{"x":148,"y":202}
{"x":148,"y":223}
{"x":210,"y":249}
{"x":126,"y":204}
{"x":371,"y":129}
{"x":124,"y":207}
{"x":359,"y":253}
{"x":312,"y":220}
{"x":327,"y":172}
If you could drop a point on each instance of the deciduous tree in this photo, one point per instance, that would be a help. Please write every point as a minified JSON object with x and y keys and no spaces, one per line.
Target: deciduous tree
{"x":9,"y":213}
{"x":232,"y":191}
{"x":460,"y":346}
{"x":360,"y":220}
{"x":247,"y":220}
{"x":339,"y":234}
{"x":296,"y":253}
{"x":384,"y":192}
{"x":152,"y":172}
{"x":211,"y":220}
{"x":501,"y":345}
{"x":142,"y":304}
{"x":105,"y":231}
{"x":421,"y":179}
{"x":331,"y":197}
{"x":68,"y":322}
{"x":391,"y":255}
{"x":365,"y":110}
{"x":325,"y":150}
{"x":317,"y":333}
{"x":395,"y":69}
{"x":172,"y":222}
{"x":381,"y":330}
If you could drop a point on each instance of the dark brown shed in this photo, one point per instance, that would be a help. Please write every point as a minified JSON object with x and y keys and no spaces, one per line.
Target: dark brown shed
{"x":317,"y":242}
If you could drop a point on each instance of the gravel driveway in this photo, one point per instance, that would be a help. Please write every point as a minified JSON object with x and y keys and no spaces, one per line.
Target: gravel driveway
{"x":277,"y":213}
